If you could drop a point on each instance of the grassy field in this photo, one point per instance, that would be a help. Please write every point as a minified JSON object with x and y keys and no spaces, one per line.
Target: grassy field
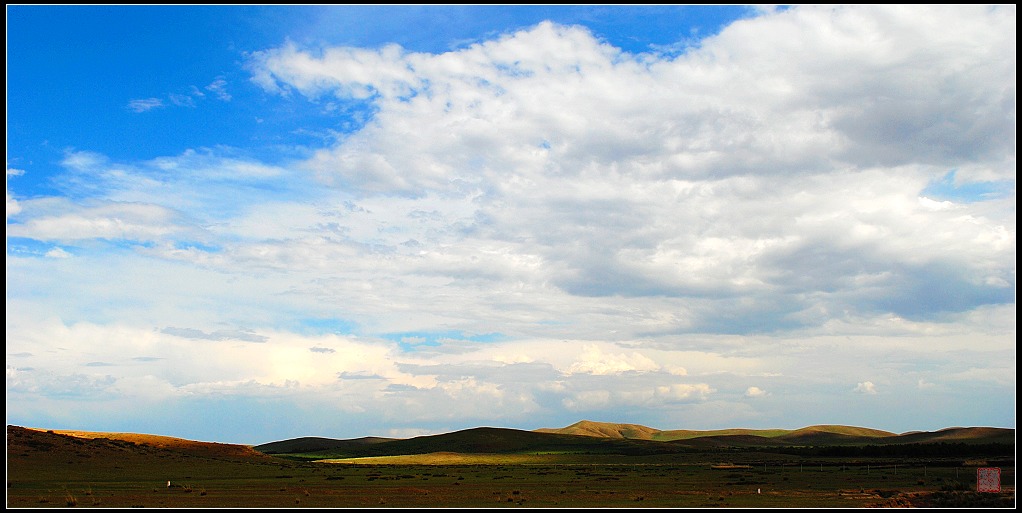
{"x":52,"y":470}
{"x":488,"y":485}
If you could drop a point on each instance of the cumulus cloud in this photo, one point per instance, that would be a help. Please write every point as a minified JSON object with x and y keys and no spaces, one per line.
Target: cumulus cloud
{"x":594,"y":361}
{"x":683,"y":392}
{"x":82,"y":160}
{"x":723,"y":109}
{"x":688,"y":177}
{"x":865,"y":387}
{"x":588,"y":400}
{"x":171,"y":201}
{"x":58,"y":253}
{"x":581,"y":396}
{"x":637,"y":230}
{"x":13,"y":208}
{"x":755,"y":392}
{"x":128,"y":221}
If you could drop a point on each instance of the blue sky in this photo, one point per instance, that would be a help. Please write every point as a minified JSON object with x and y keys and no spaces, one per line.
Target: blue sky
{"x":250,"y":223}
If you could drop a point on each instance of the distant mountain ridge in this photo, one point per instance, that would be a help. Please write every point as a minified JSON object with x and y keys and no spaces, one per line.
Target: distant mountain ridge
{"x":583,"y":437}
{"x":639,"y":432}
{"x":630,"y":439}
{"x":810,"y":435}
{"x":317,"y":444}
{"x":480,"y":440}
{"x":143,"y":462}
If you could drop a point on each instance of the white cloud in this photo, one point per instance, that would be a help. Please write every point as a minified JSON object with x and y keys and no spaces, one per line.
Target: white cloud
{"x":358,"y":72}
{"x":13,"y":208}
{"x":464,"y":388}
{"x":588,"y":400}
{"x":755,"y":392}
{"x":145,"y":104}
{"x":930,"y":204}
{"x":408,"y":432}
{"x":1001,"y":373}
{"x":728,"y":107}
{"x":83,"y":160}
{"x":219,"y":89}
{"x":58,"y":253}
{"x":865,"y":387}
{"x":126,"y":221}
{"x":182,"y":100}
{"x":594,"y":361}
{"x":669,"y":152}
{"x":683,"y":392}
{"x":639,"y":231}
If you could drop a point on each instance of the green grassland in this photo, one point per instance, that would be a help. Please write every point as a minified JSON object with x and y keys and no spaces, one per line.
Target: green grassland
{"x":506,"y":468}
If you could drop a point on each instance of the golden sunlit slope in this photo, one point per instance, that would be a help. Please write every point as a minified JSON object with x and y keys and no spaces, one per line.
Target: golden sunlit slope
{"x":211,"y":449}
{"x":962,"y":434}
{"x":605,"y":430}
{"x":36,"y":455}
{"x":635,"y":431}
{"x":688,"y":434}
{"x":843,"y":430}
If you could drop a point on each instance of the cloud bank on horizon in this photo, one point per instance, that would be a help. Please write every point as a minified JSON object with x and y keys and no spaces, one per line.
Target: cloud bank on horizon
{"x":805,"y":216}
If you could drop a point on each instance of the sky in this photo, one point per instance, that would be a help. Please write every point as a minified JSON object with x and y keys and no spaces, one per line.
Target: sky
{"x":245,"y":224}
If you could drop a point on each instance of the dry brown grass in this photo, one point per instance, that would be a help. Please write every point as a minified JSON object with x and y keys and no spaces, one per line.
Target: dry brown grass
{"x":49,"y":469}
{"x":164,"y":442}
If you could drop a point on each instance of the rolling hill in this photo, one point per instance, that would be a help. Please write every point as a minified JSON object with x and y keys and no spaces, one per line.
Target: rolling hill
{"x":477,"y":466}
{"x":635,"y":431}
{"x":605,"y":430}
{"x":590,"y":437}
{"x":209,"y":449}
{"x":313,"y":444}
{"x":824,"y":434}
{"x":585,"y":437}
{"x":962,"y":434}
{"x":482,"y":440}
{"x":37,"y":454}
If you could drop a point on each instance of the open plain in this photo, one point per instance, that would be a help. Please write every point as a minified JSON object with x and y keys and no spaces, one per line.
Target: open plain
{"x":61,"y":468}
